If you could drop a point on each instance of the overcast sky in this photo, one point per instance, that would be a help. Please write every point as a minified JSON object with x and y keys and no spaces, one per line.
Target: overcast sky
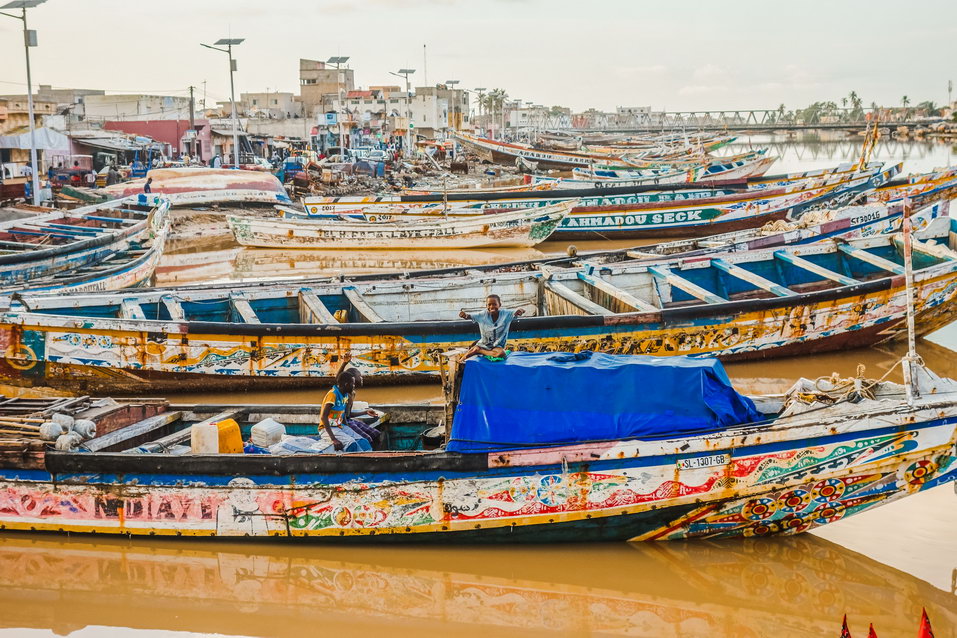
{"x":668,"y":55}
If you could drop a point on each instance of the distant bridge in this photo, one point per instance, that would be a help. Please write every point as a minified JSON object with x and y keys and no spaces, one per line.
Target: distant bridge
{"x":745,"y":120}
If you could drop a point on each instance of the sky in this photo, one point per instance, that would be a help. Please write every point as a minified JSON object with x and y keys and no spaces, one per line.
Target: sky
{"x":689,"y":55}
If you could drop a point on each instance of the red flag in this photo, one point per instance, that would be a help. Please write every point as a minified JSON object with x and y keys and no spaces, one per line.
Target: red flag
{"x":845,"y":632}
{"x":870,"y":632}
{"x":925,"y":631}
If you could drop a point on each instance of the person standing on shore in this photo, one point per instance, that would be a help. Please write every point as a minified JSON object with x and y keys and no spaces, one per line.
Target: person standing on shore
{"x":148,"y":186}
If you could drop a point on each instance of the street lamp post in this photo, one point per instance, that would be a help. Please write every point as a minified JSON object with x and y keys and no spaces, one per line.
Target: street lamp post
{"x":29,"y":40}
{"x":229,"y":43}
{"x":405,"y":73}
{"x":338,"y":60}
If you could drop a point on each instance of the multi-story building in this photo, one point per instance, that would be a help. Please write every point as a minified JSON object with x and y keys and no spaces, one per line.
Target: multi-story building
{"x":438,"y":109}
{"x":270,"y":104}
{"x":317,"y":79}
{"x":15,"y":113}
{"x":15,"y":120}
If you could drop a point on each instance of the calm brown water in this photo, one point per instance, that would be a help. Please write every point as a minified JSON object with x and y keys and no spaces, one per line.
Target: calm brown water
{"x":882,"y":566}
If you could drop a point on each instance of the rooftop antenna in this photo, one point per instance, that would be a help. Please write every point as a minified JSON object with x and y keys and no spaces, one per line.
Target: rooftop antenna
{"x":425,"y":66}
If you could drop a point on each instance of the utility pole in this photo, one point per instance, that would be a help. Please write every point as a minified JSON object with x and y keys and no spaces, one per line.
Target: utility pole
{"x":29,"y":40}
{"x":192,"y":123}
{"x":405,"y":73}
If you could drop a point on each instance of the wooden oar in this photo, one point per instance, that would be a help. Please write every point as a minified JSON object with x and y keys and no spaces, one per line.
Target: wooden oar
{"x":20,"y":420}
{"x":19,"y":425}
{"x":19,"y":433}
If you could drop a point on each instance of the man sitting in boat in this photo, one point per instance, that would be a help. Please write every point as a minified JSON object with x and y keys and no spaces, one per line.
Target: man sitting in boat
{"x":493,"y":325}
{"x":370,"y":434}
{"x":333,"y":407}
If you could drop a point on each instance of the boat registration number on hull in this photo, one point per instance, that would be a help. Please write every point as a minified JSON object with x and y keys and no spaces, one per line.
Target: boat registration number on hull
{"x":698,"y":462}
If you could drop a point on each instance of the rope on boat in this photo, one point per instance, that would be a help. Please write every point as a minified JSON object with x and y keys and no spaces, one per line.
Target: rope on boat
{"x":836,"y":389}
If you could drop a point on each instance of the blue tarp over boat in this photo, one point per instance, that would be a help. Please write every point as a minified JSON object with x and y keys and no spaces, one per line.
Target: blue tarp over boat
{"x":541,"y":399}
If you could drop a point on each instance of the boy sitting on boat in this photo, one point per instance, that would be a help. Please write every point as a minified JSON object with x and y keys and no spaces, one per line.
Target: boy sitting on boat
{"x":367,"y":432}
{"x":493,"y":323}
{"x":334,"y":407}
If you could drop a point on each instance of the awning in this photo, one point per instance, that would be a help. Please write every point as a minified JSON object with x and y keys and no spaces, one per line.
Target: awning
{"x":115,"y":144}
{"x":46,"y":139}
{"x":227,"y":132}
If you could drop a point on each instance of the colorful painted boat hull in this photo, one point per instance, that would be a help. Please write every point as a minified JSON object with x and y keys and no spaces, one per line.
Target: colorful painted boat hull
{"x":137,"y":355}
{"x":634,"y":215}
{"x":203,"y":186}
{"x":747,"y":482}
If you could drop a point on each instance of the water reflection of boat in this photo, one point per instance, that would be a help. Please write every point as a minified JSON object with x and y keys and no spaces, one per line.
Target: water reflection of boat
{"x":311,"y":263}
{"x":799,"y":586}
{"x":195,"y":267}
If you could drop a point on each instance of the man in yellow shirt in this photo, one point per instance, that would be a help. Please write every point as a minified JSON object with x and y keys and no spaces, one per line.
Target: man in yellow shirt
{"x":334,"y":407}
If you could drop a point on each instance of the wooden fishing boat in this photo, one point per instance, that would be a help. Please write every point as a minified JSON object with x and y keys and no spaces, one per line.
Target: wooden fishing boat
{"x":918,"y":189}
{"x":850,"y":222}
{"x":48,"y":244}
{"x":525,"y":461}
{"x":753,"y":166}
{"x":522,"y":228}
{"x":129,"y":268}
{"x":625,"y":213}
{"x":196,"y":187}
{"x":506,"y":153}
{"x":250,"y":264}
{"x":776,"y":301}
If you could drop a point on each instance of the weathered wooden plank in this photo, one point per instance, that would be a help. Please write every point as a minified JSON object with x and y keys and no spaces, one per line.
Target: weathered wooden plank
{"x":312,"y":310}
{"x":929,"y":248}
{"x":240,"y":305}
{"x":804,"y":264}
{"x":663,"y":272}
{"x":614,"y":291}
{"x":874,"y":260}
{"x":131,"y":432}
{"x":751,"y":278}
{"x":576,"y":299}
{"x":173,"y":307}
{"x":178,"y":438}
{"x":360,"y":304}
{"x":130,"y":309}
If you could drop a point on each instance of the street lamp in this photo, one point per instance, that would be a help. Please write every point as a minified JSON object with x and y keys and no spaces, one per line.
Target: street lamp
{"x":337,"y":60}
{"x":29,"y":40}
{"x":229,"y":43}
{"x":405,"y":73}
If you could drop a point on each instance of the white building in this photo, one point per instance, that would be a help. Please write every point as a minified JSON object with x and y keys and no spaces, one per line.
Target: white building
{"x":136,"y":107}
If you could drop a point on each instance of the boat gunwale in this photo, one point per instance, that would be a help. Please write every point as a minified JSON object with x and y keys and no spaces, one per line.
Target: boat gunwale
{"x":731,"y":441}
{"x":716,"y":310}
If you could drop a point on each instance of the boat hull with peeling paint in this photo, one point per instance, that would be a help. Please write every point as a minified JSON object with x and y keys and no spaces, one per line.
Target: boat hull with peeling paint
{"x":786,"y":475}
{"x":776,"y":301}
